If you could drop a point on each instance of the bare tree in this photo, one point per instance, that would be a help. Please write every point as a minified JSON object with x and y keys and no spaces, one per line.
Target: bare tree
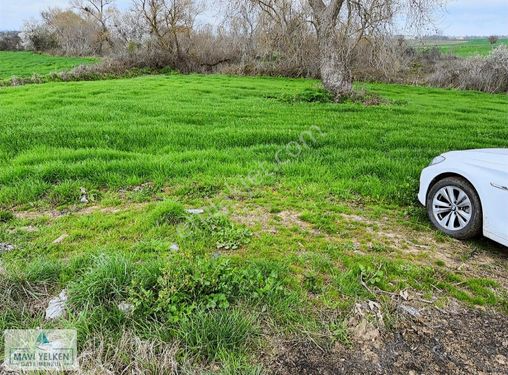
{"x":169,"y":21}
{"x":341,"y":25}
{"x":128,"y":30}
{"x":74,"y":34}
{"x":101,"y":12}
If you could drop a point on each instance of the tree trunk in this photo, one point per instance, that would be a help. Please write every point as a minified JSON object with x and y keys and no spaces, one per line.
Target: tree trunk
{"x":334,"y":68}
{"x":335,"y":74}
{"x":333,"y":61}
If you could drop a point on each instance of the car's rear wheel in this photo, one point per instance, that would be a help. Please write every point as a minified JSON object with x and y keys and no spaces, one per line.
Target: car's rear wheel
{"x":454,"y":207}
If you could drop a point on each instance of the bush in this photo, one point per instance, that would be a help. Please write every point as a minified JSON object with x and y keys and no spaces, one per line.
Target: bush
{"x":489,"y":74}
{"x":314,"y":95}
{"x":9,"y":41}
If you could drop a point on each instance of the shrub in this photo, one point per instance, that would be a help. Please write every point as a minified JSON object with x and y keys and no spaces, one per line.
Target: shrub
{"x":9,"y":41}
{"x":315,"y":95}
{"x":489,"y":74}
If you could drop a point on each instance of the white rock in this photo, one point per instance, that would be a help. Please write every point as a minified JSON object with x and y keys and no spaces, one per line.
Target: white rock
{"x":6,"y":247}
{"x":84,"y":196}
{"x":410,"y":310}
{"x":30,"y":229}
{"x":174,"y":247}
{"x":125,"y":307}
{"x":195,"y":211}
{"x":61,"y":238}
{"x":56,"y":306}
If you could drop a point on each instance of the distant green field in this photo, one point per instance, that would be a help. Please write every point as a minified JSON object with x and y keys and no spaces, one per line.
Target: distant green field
{"x":24,"y":64}
{"x":470,"y":47}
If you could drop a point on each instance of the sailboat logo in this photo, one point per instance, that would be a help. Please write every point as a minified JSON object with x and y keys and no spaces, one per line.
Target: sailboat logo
{"x":43,"y":342}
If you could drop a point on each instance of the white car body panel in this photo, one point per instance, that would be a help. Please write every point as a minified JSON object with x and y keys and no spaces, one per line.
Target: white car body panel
{"x":487,"y":171}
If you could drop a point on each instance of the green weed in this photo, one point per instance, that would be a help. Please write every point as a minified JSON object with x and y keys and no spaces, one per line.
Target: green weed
{"x":221,"y":230}
{"x":189,"y":283}
{"x":25,"y":64}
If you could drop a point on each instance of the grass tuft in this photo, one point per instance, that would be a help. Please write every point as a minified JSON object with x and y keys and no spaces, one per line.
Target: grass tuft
{"x":210,"y":334}
{"x":168,"y":213}
{"x":6,"y":216}
{"x":105,"y":281}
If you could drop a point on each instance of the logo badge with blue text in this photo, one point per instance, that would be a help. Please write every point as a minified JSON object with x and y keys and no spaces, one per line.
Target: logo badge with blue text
{"x":38,"y":349}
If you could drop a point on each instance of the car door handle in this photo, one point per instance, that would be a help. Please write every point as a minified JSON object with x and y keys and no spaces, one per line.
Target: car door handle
{"x":505,"y":188}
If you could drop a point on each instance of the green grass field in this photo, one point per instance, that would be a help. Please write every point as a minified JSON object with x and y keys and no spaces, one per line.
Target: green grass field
{"x":176,"y":129}
{"x":309,"y":208}
{"x":24,"y":64}
{"x":470,"y":47}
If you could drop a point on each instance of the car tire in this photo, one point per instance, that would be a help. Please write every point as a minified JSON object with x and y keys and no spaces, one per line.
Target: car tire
{"x":454,"y":207}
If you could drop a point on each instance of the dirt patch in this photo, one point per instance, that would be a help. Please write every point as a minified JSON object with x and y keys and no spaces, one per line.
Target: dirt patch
{"x":292,"y":219}
{"x":253,"y":217}
{"x":268,"y":222}
{"x":81,"y":211}
{"x":457,"y":341}
{"x":481,"y":258}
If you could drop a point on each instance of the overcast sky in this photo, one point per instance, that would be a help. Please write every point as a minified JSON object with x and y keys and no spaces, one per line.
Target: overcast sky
{"x":462,"y":17}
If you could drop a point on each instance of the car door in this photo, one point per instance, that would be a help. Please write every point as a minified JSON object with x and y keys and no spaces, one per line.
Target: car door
{"x":496,"y":201}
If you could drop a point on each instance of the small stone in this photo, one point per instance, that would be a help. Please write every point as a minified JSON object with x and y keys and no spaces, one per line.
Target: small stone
{"x":125,"y":307}
{"x":365,"y":332}
{"x":6,"y":247}
{"x":195,"y":211}
{"x":84,"y":196}
{"x":174,"y":247}
{"x":501,"y":359}
{"x":404,"y":294}
{"x":56,"y":306}
{"x":61,"y":238}
{"x":30,"y":229}
{"x":415,"y":313}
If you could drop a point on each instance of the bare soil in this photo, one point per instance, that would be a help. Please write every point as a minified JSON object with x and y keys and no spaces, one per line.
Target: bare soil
{"x":458,"y":340}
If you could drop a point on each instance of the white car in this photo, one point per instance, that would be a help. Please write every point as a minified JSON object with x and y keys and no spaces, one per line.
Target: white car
{"x":466,"y":193}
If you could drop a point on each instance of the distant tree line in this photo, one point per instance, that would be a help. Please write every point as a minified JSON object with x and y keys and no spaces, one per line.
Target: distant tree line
{"x":331,"y":39}
{"x":339,"y":41}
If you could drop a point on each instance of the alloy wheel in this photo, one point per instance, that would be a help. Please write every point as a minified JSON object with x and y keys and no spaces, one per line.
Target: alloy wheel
{"x":452,"y":208}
